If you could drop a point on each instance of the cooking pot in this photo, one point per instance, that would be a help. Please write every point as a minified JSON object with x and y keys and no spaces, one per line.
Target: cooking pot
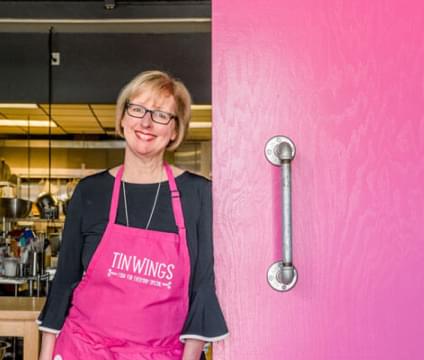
{"x":47,"y":206}
{"x":45,"y":200}
{"x":10,"y":266}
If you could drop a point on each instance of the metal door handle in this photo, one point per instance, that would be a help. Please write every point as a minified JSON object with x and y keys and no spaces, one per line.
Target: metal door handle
{"x":280,"y":151}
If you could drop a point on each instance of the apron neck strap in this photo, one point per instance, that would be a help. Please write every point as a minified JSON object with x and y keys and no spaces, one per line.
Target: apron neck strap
{"x":175,"y":198}
{"x":115,"y":195}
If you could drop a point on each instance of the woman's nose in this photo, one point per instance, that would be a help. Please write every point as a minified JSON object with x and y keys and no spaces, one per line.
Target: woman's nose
{"x":146,"y":120}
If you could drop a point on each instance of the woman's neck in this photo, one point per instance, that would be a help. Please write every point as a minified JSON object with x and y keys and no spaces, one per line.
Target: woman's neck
{"x":144,"y":170}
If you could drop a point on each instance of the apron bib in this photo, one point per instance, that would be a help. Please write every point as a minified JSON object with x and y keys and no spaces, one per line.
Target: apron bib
{"x":133,"y":300}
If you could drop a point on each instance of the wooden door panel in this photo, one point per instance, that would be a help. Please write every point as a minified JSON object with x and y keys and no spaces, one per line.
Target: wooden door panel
{"x":344,"y":80}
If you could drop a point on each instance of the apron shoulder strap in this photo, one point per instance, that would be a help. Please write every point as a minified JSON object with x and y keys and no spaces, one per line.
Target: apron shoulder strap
{"x":115,"y":195}
{"x":175,"y":198}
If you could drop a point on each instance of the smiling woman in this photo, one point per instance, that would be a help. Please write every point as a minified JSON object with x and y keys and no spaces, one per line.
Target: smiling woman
{"x":123,"y":307}
{"x":146,"y":139}
{"x":172,"y":94}
{"x":143,"y":135}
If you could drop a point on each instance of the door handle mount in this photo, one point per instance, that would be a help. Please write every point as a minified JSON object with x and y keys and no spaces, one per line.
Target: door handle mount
{"x":280,"y":151}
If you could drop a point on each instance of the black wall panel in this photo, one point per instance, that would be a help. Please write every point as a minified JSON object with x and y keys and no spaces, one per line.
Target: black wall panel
{"x":23,"y":67}
{"x":94,"y":67}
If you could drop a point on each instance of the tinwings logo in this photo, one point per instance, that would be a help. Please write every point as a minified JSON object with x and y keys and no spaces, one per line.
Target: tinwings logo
{"x":141,"y":270}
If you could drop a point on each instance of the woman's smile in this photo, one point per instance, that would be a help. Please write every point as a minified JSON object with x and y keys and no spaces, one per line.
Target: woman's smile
{"x":144,"y":135}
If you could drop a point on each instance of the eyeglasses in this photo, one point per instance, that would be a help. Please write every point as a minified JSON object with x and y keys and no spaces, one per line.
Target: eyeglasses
{"x":158,"y":116}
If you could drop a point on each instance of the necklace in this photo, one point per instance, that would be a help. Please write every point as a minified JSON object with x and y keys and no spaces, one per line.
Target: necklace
{"x":153,"y":208}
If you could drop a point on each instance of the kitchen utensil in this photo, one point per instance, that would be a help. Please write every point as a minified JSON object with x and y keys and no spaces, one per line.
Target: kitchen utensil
{"x":55,"y":240}
{"x":21,"y":270}
{"x":4,"y":171}
{"x":65,"y":206}
{"x":10,"y":266}
{"x":3,"y":346}
{"x":47,"y":205}
{"x":14,"y":207}
{"x":8,"y":191}
{"x":34,"y":264}
{"x":45,"y":200}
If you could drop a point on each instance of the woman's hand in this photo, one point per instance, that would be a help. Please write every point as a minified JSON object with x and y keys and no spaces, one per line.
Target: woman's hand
{"x":47,"y":346}
{"x":192,"y":349}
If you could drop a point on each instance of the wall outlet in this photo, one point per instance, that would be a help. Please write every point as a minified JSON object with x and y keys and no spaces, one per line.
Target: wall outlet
{"x":55,"y":58}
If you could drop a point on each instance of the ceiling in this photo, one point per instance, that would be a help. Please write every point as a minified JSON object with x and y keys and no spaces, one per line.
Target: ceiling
{"x":87,"y":119}
{"x":100,"y":51}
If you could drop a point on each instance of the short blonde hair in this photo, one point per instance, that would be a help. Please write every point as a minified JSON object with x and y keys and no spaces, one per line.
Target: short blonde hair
{"x":162,"y":84}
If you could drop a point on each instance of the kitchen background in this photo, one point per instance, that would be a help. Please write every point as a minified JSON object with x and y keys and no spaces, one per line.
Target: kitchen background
{"x":90,"y":62}
{"x":62,"y":65}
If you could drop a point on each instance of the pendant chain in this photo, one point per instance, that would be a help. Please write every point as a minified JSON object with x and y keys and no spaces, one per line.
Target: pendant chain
{"x":153,"y":208}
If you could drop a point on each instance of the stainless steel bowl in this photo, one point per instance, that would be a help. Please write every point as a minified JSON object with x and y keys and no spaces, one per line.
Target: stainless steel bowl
{"x":3,"y":346}
{"x":14,"y":207}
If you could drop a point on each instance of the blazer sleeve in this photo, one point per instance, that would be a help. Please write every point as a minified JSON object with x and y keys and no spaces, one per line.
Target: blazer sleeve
{"x":205,"y":320}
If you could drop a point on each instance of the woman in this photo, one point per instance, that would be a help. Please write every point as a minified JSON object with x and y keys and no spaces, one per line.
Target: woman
{"x":135,"y":275}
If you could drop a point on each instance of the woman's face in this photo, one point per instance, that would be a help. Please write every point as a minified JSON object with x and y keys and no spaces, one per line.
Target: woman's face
{"x":144,"y":137}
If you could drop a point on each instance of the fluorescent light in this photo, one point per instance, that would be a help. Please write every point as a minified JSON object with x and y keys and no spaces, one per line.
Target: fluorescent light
{"x":24,"y":123}
{"x":200,"y":125}
{"x":201,"y":107}
{"x":19,"y":106}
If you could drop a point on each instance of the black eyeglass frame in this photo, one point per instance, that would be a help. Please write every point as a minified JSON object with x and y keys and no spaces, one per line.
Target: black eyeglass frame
{"x":172,"y":116}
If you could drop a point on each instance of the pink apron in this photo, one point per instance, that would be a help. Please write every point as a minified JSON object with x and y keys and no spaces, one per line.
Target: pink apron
{"x":133,"y":300}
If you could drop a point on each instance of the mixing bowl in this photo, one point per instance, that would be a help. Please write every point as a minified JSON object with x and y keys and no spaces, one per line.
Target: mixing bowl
{"x":14,"y":207}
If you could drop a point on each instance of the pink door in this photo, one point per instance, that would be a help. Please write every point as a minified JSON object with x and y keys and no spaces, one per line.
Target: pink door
{"x":345,"y":81}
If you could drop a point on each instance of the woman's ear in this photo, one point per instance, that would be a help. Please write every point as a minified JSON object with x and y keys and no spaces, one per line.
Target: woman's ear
{"x":174,"y":132}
